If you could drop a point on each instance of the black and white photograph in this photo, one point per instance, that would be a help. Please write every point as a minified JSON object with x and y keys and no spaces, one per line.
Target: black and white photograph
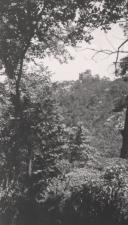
{"x":63,"y":112}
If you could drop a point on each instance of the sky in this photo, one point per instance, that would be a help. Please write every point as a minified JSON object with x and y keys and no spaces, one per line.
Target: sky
{"x":84,"y":58}
{"x":101,"y":64}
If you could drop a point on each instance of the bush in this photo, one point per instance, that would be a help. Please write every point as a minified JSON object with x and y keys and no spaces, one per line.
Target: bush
{"x":91,"y":197}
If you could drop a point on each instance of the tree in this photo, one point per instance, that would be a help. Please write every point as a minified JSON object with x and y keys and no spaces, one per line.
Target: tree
{"x":30,"y":29}
{"x":121,"y":105}
{"x":37,"y":28}
{"x":122,"y":71}
{"x":79,"y":149}
{"x":31,"y":147}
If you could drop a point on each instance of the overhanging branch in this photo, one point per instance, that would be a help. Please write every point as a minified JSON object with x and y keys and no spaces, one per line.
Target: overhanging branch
{"x":118,"y":52}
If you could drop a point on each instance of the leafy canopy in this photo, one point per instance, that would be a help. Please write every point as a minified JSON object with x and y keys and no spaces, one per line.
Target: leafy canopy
{"x":45,"y":26}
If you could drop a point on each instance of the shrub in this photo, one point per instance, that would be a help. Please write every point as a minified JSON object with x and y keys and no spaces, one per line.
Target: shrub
{"x":91,"y":197}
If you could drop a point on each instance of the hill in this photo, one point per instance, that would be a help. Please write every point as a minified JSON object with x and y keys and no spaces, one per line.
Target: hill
{"x":93,"y":101}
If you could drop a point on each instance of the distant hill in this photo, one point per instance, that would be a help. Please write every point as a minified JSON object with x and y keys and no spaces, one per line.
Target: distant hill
{"x":92,"y":100}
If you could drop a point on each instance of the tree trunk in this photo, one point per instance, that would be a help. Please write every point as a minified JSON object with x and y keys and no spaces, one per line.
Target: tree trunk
{"x":30,"y":161}
{"x":124,"y":149}
{"x":17,"y":104}
{"x":18,"y":110}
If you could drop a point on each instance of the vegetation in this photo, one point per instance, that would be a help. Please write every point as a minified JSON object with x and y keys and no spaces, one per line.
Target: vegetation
{"x":60,"y":142}
{"x":98,"y":104}
{"x":73,"y":166}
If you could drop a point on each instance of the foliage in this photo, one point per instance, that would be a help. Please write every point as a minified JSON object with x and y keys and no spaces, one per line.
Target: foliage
{"x":94,"y":101}
{"x":80,"y":149}
{"x":39,"y":156}
{"x":88,"y":196}
{"x":39,"y":28}
{"x":32,"y":146}
{"x":46,"y":21}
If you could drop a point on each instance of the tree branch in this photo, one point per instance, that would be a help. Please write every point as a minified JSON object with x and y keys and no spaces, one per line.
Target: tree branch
{"x":117,"y":56}
{"x":105,"y":51}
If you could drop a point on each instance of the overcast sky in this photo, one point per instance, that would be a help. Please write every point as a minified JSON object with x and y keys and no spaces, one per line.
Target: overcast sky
{"x":101,"y":64}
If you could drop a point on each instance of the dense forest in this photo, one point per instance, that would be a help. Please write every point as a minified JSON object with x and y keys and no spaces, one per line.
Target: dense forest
{"x":63,"y":145}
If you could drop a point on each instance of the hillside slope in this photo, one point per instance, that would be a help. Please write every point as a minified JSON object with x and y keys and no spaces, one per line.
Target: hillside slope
{"x":92,"y":100}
